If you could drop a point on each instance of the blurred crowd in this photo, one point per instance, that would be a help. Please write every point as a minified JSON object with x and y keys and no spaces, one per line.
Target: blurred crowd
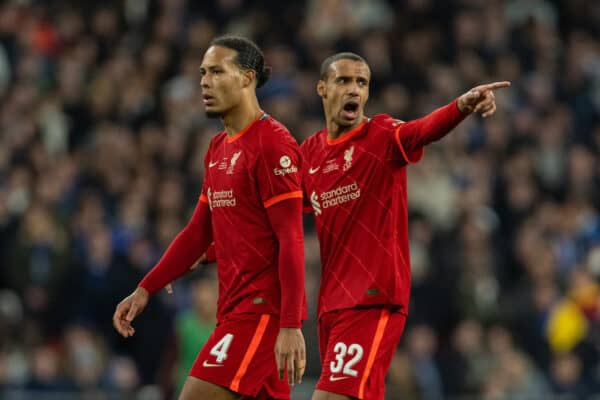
{"x":102,"y":139}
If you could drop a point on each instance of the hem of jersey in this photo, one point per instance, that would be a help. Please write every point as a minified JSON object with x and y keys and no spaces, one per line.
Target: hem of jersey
{"x":231,"y":139}
{"x":327,"y":387}
{"x":291,"y":325}
{"x":419,"y":153}
{"x":346,"y":136}
{"x":394,"y":308}
{"x":279,"y":198}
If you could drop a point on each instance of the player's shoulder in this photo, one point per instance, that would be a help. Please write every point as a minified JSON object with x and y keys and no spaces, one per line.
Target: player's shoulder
{"x":274,"y":138}
{"x":384,"y":122}
{"x":312,"y":142}
{"x":217,"y":139}
{"x":274,"y":133}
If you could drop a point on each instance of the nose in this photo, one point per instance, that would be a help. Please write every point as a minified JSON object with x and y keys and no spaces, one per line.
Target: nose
{"x":205,"y":81}
{"x":353,"y":89}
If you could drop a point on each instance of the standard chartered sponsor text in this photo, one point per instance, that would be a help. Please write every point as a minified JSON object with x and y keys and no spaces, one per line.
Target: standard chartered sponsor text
{"x":223,"y":198}
{"x":340,"y":195}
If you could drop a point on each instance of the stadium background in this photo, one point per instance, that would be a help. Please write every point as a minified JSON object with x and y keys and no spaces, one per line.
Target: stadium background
{"x":102,"y":137}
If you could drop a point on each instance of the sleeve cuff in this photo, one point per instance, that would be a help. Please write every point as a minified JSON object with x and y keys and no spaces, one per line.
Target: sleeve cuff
{"x":290,"y":324}
{"x":282,"y":197}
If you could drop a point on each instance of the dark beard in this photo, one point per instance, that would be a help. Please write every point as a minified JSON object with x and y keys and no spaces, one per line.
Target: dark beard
{"x":213,"y":114}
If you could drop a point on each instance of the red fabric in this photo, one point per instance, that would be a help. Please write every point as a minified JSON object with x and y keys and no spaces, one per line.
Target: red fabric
{"x":261,"y":376}
{"x":286,"y":219}
{"x":413,"y":135}
{"x":357,"y":189}
{"x":183,"y":252}
{"x":211,"y":256}
{"x":244,"y":178}
{"x":358,"y":327}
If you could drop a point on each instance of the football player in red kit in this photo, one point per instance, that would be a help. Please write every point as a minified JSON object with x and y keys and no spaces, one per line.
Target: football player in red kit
{"x":354,"y":179}
{"x":251,"y":206}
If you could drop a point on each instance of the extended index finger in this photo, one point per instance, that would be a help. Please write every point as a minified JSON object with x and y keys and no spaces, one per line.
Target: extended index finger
{"x":494,"y":85}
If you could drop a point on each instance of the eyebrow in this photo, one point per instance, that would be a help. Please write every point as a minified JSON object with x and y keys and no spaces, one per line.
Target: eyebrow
{"x":212,"y":66}
{"x":363,"y":77}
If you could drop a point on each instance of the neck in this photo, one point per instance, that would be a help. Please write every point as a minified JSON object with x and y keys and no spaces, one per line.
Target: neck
{"x":240,"y":116}
{"x":335,"y":130}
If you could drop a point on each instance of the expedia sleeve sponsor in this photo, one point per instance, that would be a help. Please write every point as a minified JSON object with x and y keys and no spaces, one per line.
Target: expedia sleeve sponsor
{"x":286,"y":167}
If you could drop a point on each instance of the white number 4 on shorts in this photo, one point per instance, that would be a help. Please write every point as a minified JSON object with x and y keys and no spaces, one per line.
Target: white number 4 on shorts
{"x":219,"y":350}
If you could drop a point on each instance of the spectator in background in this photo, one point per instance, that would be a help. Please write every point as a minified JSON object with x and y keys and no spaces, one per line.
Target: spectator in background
{"x":194,"y":326}
{"x":98,"y":112}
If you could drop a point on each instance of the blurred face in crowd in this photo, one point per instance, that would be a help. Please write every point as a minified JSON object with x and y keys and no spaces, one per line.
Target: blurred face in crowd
{"x":223,"y":82}
{"x":345,"y":92}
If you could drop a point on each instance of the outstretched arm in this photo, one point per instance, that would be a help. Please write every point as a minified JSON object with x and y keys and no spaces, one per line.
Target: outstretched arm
{"x":413,"y":135}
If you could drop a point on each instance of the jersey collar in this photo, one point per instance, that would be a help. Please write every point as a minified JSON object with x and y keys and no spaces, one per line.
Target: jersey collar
{"x":346,"y":136}
{"x":231,"y":139}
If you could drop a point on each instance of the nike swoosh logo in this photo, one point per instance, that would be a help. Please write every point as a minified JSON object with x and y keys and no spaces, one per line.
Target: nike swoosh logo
{"x":337,"y":378}
{"x":209,"y":365}
{"x":313,"y":170}
{"x":212,"y":164}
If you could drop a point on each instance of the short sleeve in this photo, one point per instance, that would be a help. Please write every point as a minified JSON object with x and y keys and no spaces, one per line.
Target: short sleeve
{"x":278,"y":171}
{"x":395,"y":144}
{"x":406,"y":153}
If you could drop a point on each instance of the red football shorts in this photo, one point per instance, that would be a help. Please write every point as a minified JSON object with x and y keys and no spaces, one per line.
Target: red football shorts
{"x":240,"y":356}
{"x":357,"y":346}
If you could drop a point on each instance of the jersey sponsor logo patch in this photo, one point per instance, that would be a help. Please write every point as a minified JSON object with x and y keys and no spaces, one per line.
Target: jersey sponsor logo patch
{"x":221,"y":198}
{"x":212,"y":164}
{"x":286,"y":166}
{"x":285,"y":161}
{"x":210,"y":365}
{"x":313,"y":170}
{"x":314,"y":200}
{"x":335,"y":197}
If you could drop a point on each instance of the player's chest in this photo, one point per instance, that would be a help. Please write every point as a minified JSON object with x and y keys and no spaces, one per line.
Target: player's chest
{"x":335,"y":165}
{"x":230,"y":168}
{"x":337,"y":178}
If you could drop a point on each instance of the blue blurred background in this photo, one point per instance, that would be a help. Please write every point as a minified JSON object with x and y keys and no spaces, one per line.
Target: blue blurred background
{"x":102,"y":138}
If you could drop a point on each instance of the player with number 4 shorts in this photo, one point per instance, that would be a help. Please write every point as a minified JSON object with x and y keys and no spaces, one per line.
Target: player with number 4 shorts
{"x":251,"y":206}
{"x":354,"y":180}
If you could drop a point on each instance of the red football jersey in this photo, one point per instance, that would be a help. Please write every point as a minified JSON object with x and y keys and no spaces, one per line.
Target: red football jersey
{"x":356,"y":186}
{"x":246,"y":174}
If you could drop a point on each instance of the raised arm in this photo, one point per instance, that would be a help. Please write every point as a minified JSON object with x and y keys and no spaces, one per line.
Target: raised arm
{"x":413,"y":135}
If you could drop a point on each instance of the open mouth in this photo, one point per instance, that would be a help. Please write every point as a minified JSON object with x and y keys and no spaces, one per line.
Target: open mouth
{"x":350,"y":109}
{"x":207,"y":99}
